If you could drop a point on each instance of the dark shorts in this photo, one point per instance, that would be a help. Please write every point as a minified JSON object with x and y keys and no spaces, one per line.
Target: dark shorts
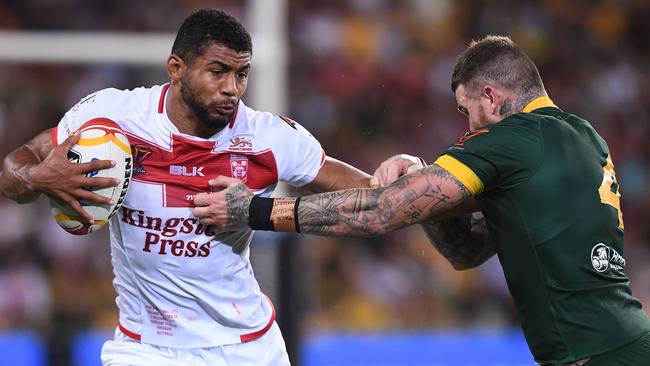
{"x":636,"y":353}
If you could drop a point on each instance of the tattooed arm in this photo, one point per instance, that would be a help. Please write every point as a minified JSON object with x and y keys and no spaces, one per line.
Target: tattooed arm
{"x":368,"y":212}
{"x":463,"y":240}
{"x":414,"y":198}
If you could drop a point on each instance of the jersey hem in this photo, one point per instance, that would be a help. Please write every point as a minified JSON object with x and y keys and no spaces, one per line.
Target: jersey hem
{"x":608,"y":350}
{"x":243,"y":338}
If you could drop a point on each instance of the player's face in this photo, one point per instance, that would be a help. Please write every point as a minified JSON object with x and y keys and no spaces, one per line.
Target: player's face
{"x":214,"y":82}
{"x":470,"y":106}
{"x":485,"y":105}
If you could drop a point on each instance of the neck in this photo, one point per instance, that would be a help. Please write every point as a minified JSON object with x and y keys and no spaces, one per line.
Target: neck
{"x":182,"y":116}
{"x":524,"y":99}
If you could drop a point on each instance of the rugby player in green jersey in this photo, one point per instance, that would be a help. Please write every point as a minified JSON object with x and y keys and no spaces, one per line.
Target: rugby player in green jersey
{"x":545,"y":184}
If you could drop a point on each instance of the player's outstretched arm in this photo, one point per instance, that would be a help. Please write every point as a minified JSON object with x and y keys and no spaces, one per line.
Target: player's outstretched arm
{"x":411,"y":199}
{"x":39,"y":167}
{"x":414,"y":198}
{"x":461,"y":235}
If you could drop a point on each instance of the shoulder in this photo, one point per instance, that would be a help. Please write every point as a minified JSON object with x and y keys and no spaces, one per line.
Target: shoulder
{"x":514,"y":140}
{"x":119,"y":106}
{"x":115,"y":102}
{"x":275,"y":127}
{"x":520,"y":130}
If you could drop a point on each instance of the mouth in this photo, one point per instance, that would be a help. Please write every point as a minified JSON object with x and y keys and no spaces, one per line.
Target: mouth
{"x":225,"y":109}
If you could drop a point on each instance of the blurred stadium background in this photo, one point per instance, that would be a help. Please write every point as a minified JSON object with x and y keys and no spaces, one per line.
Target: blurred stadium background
{"x":369,"y":78}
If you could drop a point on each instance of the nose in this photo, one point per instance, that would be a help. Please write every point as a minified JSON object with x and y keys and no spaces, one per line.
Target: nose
{"x":229,"y":86}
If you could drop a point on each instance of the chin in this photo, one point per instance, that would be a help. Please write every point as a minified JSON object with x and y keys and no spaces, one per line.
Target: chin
{"x":217,"y":122}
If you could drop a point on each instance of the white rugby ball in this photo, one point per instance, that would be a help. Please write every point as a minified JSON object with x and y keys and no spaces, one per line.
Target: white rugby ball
{"x":101,"y":139}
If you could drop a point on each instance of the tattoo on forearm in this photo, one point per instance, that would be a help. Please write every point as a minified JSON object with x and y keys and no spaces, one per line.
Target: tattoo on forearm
{"x":369,"y":212}
{"x":238,"y":199}
{"x":463,"y":240}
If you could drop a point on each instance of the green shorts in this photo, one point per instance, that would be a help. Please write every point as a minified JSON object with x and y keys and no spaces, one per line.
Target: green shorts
{"x":636,"y":353}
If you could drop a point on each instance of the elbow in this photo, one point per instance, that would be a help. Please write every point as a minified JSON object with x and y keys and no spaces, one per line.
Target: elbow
{"x":464,"y":263}
{"x":463,"y":266}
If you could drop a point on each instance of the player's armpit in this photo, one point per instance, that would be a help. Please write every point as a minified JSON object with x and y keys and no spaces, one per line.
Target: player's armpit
{"x":464,"y":240}
{"x":413,"y":198}
{"x":335,"y":175}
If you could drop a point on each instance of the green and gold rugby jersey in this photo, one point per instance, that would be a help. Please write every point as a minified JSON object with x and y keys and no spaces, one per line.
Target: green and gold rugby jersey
{"x":547,"y":188}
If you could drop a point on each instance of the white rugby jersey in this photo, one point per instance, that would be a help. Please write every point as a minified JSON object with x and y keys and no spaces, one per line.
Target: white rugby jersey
{"x":179,"y":284}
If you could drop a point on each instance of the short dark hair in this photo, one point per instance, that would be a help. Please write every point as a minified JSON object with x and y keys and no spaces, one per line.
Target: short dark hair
{"x":497,"y":59}
{"x":210,"y":26}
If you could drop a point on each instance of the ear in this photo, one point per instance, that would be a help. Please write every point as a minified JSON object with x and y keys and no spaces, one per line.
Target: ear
{"x":493,"y":98}
{"x":175,"y":67}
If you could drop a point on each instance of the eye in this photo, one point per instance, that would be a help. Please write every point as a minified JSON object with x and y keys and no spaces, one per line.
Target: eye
{"x":216,"y":72}
{"x":242,"y":75}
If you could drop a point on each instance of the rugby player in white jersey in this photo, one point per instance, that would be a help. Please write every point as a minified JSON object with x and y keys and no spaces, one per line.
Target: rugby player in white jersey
{"x":186,"y":294}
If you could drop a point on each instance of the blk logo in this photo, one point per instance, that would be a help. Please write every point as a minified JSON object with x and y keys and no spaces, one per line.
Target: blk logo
{"x":186,"y":171}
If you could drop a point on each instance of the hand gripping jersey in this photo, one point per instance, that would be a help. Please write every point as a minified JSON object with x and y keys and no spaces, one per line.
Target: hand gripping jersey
{"x":546,"y":184}
{"x":179,"y":283}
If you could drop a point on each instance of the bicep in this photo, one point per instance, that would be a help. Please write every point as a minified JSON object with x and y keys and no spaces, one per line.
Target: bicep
{"x":335,"y":175}
{"x":428,"y":193}
{"x":467,"y":206}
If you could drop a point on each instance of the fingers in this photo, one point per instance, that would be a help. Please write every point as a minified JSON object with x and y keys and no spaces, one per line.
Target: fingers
{"x":76,"y":206}
{"x":374,"y":181}
{"x":201,"y":211}
{"x":98,"y":182}
{"x":223,"y":182}
{"x":204,"y":215}
{"x":413,"y":168}
{"x":208,"y":221}
{"x":389,"y":171}
{"x":95,"y":165}
{"x":394,"y":171}
{"x":202,"y":199}
{"x":89,"y":196}
{"x":71,"y":140}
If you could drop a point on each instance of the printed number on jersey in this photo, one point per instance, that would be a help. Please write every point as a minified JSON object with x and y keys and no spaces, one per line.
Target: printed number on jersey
{"x":609,"y":190}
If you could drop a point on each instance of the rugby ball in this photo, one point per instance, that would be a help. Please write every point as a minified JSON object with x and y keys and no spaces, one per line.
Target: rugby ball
{"x":101,"y":139}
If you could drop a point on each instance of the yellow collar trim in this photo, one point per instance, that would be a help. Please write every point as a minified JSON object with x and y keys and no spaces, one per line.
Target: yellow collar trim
{"x":540,"y":102}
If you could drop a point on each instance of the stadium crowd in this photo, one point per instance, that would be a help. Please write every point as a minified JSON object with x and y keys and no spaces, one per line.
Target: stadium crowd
{"x":369,"y":78}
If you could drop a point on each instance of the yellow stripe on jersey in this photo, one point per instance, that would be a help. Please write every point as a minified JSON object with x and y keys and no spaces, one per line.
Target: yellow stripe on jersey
{"x":540,"y":102}
{"x":462,"y":172}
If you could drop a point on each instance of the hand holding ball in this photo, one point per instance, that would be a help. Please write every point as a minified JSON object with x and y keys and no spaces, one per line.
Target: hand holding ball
{"x":101,"y":139}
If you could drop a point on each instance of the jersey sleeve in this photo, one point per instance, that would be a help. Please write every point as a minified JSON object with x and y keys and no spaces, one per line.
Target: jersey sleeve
{"x":299,"y":156}
{"x":91,"y":107}
{"x":500,"y":156}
